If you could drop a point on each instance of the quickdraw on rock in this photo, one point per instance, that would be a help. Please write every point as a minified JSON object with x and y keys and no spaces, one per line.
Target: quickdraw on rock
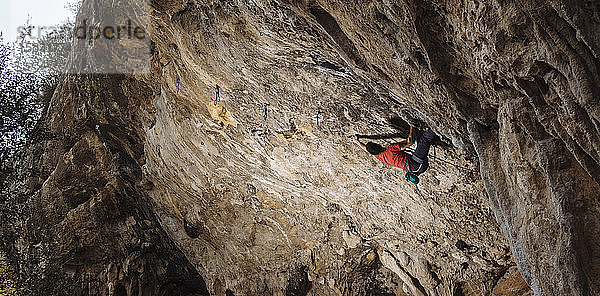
{"x":266,"y":114}
{"x":177,"y":85}
{"x":217,"y":93}
{"x":318,"y":111}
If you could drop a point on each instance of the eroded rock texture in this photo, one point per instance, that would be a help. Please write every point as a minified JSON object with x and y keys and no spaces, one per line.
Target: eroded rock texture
{"x":150,"y":189}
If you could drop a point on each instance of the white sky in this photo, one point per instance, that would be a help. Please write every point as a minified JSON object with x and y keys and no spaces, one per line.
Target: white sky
{"x":13,"y":13}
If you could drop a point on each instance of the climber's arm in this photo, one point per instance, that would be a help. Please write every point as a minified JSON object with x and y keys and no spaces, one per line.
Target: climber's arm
{"x":363,"y":145}
{"x":402,"y":145}
{"x":411,"y":139}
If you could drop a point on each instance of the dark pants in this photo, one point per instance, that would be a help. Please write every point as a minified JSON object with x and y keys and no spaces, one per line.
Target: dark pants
{"x":419,"y":162}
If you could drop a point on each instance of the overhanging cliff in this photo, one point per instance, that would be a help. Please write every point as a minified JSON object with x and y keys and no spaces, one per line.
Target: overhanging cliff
{"x":153,"y":186}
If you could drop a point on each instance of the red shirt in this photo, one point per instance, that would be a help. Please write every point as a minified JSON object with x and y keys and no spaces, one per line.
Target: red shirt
{"x":394,"y":156}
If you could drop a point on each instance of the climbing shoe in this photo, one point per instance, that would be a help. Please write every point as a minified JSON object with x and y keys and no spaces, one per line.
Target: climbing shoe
{"x":412,"y":178}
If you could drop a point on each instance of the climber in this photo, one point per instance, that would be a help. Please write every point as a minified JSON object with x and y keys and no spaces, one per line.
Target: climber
{"x":394,"y":154}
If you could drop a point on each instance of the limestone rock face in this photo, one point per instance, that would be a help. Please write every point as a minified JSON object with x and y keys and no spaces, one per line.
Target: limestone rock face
{"x":152,"y":185}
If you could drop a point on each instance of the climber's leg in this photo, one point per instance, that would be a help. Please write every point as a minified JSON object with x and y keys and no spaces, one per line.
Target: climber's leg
{"x":423,"y":144}
{"x":418,"y":161}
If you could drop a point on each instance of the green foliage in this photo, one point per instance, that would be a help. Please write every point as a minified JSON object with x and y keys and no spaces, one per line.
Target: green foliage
{"x":19,"y":105}
{"x":30,"y":71}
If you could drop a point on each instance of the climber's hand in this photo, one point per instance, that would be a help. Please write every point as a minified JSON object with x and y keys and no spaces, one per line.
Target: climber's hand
{"x":404,"y":144}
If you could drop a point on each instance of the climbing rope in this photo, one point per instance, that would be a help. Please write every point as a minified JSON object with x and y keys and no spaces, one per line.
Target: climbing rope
{"x":443,"y":160}
{"x":177,"y":85}
{"x":453,"y":164}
